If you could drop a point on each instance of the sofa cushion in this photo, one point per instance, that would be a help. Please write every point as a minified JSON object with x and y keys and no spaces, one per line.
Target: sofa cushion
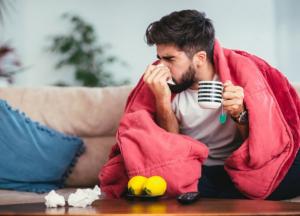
{"x":33,"y":157}
{"x":85,"y":173}
{"x":80,"y":111}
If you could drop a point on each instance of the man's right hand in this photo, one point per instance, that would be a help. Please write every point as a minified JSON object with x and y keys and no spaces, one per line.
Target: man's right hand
{"x":156,"y":77}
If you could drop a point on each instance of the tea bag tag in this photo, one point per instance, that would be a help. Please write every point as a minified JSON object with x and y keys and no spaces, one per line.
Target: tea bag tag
{"x":223,"y":116}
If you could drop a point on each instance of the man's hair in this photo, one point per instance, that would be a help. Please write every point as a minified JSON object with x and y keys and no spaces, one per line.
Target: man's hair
{"x":189,"y":30}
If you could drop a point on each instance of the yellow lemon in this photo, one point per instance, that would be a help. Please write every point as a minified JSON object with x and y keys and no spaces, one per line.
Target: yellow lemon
{"x":155,"y":186}
{"x":135,"y":185}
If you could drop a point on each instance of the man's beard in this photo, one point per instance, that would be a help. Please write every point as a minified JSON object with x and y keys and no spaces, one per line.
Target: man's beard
{"x":186,"y":81}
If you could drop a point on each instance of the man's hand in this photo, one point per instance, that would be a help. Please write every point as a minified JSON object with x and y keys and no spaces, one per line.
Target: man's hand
{"x":233,"y":99}
{"x":156,"y":77}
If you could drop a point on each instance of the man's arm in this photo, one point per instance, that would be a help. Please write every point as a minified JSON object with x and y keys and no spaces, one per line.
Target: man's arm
{"x":156,"y":77}
{"x":165,"y":117}
{"x":234,"y":104}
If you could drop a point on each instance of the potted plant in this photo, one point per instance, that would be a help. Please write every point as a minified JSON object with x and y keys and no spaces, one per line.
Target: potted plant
{"x":80,"y":49}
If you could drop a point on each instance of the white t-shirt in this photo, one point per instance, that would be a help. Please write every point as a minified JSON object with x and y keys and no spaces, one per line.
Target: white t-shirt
{"x":203,"y":125}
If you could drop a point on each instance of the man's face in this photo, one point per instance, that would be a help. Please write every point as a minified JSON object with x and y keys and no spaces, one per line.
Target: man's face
{"x":180,"y":66}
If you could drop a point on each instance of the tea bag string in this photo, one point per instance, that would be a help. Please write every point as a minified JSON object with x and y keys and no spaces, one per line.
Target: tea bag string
{"x":223,"y":116}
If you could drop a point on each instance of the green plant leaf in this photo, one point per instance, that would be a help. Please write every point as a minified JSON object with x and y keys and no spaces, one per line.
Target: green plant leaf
{"x":80,"y":49}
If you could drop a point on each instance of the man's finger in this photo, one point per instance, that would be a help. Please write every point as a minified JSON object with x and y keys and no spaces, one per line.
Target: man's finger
{"x":227,"y":103}
{"x":232,"y":88}
{"x":155,"y":73}
{"x":227,"y":83}
{"x":232,"y":95}
{"x":162,"y":78}
{"x":232,"y":110}
{"x":148,"y":71}
{"x":151,"y":71}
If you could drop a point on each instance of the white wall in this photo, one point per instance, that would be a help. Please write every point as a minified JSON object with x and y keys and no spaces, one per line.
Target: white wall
{"x":240,"y":24}
{"x":288,"y":37}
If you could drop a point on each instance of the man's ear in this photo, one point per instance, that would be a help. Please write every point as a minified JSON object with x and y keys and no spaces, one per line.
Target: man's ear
{"x":199,"y":59}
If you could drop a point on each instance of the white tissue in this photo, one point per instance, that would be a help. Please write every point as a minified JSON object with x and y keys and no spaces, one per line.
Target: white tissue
{"x":84,"y":197}
{"x":54,"y":200}
{"x":171,"y":82}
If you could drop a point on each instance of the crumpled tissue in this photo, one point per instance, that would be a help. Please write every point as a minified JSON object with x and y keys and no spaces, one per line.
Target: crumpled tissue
{"x":54,"y":200}
{"x":84,"y":197}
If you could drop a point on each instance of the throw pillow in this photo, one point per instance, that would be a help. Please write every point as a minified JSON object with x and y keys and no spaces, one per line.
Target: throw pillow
{"x":33,"y":157}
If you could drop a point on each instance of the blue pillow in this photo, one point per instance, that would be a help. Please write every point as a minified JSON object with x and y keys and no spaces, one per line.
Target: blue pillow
{"x":33,"y":157}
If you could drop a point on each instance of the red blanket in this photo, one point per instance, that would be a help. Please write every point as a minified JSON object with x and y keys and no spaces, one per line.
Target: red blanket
{"x":256,"y":168}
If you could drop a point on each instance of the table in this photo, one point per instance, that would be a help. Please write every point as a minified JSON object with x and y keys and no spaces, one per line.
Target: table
{"x":161,"y":207}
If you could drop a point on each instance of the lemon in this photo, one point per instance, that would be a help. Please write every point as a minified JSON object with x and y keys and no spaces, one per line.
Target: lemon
{"x":135,"y":185}
{"x":155,"y":186}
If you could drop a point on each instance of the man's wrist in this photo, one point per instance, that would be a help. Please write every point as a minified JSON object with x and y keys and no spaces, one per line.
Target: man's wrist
{"x":241,"y":118}
{"x":165,"y":117}
{"x":164,"y":105}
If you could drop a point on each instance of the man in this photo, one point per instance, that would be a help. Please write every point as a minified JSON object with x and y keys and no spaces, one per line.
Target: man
{"x":254,"y":154}
{"x":185,"y":45}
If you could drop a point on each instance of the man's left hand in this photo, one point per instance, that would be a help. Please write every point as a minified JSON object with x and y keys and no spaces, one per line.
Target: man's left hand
{"x":233,"y":99}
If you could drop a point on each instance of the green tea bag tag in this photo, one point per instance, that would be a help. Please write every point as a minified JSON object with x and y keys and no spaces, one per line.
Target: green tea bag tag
{"x":223,"y":116}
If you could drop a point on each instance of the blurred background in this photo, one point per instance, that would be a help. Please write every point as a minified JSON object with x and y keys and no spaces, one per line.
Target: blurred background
{"x":101,"y":42}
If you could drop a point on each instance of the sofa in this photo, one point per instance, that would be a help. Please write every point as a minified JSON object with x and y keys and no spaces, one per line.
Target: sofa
{"x":91,"y":113}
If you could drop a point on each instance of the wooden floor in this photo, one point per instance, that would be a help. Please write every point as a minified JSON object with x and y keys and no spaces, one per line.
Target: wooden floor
{"x":161,"y":207}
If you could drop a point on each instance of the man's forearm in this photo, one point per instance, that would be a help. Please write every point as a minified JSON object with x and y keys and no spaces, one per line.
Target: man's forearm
{"x":166,"y":118}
